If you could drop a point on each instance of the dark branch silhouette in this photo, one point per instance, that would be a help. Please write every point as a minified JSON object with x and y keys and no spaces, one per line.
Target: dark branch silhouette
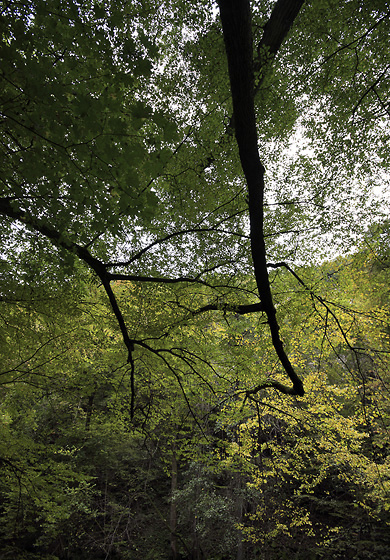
{"x":237,"y":31}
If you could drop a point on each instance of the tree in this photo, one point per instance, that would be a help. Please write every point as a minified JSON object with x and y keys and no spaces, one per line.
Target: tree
{"x":119,"y":154}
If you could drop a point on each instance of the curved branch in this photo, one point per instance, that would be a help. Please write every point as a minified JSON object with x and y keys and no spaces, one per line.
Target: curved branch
{"x":8,"y":208}
{"x":271,"y":384}
{"x":174,"y":234}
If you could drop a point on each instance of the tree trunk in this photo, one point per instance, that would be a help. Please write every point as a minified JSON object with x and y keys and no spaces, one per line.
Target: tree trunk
{"x":173,"y":510}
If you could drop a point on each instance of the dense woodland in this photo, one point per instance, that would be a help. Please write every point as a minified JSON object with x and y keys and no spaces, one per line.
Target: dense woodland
{"x":195,"y":280}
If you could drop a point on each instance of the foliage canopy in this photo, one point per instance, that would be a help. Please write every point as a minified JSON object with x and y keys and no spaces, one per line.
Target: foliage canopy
{"x":118,"y":138}
{"x":192,"y":212}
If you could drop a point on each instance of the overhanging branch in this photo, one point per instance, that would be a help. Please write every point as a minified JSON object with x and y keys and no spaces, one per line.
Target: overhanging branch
{"x":237,"y":31}
{"x":242,"y":309}
{"x":9,"y":208}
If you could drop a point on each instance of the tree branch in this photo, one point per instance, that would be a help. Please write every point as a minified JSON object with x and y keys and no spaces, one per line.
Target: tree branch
{"x":237,"y":31}
{"x":243,"y":309}
{"x":271,"y":384}
{"x":275,"y":31}
{"x":9,"y":208}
